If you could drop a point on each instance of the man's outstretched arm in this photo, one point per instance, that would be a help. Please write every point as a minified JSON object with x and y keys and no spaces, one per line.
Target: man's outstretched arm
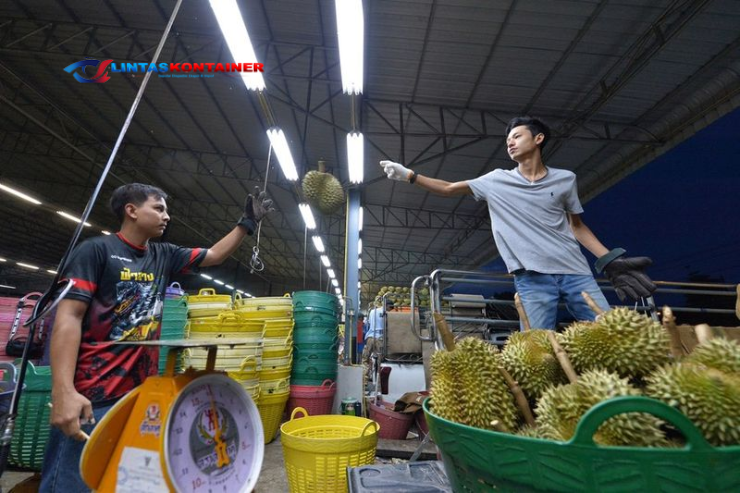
{"x":398,"y":172}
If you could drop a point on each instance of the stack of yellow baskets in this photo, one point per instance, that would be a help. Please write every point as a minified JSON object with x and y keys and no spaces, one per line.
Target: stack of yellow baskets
{"x":212,"y":316}
{"x":276,"y":316}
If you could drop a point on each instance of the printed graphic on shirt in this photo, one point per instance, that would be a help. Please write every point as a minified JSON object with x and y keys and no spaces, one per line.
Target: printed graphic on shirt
{"x":137,"y":313}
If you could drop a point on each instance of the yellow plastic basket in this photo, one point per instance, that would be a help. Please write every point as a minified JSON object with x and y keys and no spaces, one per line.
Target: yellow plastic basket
{"x":207,"y":303}
{"x":318,"y":450}
{"x":275,"y":373}
{"x":271,"y":409}
{"x":279,"y":327}
{"x":263,"y":303}
{"x":275,"y":386}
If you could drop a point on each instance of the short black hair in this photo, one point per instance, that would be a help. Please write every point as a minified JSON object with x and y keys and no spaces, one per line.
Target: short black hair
{"x":535,"y":125}
{"x":133,"y":193}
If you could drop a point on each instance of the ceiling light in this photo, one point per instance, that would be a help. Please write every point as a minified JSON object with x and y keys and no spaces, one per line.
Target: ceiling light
{"x":248,"y":295}
{"x":318,"y":244}
{"x":338,"y":291}
{"x":325,"y":261}
{"x":361,"y":218}
{"x":359,"y":285}
{"x":18,"y":194}
{"x":51,"y":271}
{"x":355,"y":157}
{"x":2,"y":259}
{"x":359,"y":246}
{"x":351,"y":34}
{"x":237,"y":38}
{"x":106,"y":233}
{"x":331,"y":273}
{"x":27,"y":266}
{"x":72,"y":218}
{"x":359,"y":263}
{"x":6,"y":286}
{"x":220,"y":283}
{"x":229,"y":286}
{"x":335,"y":283}
{"x":206,"y":276}
{"x":285,"y":158}
{"x":307,"y":216}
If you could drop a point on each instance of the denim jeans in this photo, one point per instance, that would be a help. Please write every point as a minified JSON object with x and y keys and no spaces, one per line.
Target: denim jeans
{"x":541,"y":293}
{"x":60,"y":472}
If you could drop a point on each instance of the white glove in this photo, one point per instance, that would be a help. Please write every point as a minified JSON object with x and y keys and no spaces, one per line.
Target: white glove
{"x":395,"y":171}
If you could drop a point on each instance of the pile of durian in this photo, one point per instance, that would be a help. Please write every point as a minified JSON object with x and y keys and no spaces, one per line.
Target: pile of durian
{"x":541,"y":383}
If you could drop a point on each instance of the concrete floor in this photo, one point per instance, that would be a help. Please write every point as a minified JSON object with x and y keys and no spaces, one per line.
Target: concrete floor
{"x":272,"y":476}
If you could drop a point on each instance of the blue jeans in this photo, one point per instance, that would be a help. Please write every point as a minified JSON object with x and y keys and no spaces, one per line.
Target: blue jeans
{"x":541,"y":293}
{"x":61,"y":469}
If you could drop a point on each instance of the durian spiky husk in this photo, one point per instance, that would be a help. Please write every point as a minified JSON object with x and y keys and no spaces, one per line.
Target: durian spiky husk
{"x":621,"y":341}
{"x":467,"y":387}
{"x":561,"y":407}
{"x":530,"y":359}
{"x":720,"y":353}
{"x":710,"y":398}
{"x":323,"y":191}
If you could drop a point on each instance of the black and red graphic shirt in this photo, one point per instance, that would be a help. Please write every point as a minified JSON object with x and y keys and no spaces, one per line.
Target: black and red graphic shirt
{"x":124,"y":286}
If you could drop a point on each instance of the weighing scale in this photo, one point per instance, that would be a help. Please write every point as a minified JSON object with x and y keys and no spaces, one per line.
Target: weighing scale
{"x":198,"y":431}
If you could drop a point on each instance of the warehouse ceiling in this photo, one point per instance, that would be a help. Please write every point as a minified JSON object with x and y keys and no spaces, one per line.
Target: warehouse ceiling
{"x":620,"y":82}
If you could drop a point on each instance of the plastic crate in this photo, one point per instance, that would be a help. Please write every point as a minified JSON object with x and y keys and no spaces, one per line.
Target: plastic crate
{"x":32,"y":427}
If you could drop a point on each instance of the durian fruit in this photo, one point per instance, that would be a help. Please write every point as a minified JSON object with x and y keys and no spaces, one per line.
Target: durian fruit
{"x":709,"y":397}
{"x":445,"y":387}
{"x":561,"y":408}
{"x":621,"y":341}
{"x":720,"y":353}
{"x":468,"y":389}
{"x":323,"y":191}
{"x":530,"y":359}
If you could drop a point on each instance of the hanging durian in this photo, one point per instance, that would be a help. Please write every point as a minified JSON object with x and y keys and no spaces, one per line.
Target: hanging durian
{"x":322,"y":190}
{"x":621,"y":341}
{"x":560,"y":409}
{"x":530,"y":359}
{"x":720,"y":353}
{"x":709,"y":397}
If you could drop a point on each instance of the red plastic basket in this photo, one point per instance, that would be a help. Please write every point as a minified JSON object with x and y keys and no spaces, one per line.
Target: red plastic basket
{"x":316,"y":399}
{"x":393,"y":425}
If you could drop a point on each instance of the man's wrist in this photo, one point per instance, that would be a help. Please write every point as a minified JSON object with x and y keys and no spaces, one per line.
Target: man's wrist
{"x":249,"y":225}
{"x":412,"y":177}
{"x":604,"y":260}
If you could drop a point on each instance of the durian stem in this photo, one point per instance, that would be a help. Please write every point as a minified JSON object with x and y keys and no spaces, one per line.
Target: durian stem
{"x":703,"y":333}
{"x":322,"y":166}
{"x":591,"y":303}
{"x":562,"y":357}
{"x":519,"y":397}
{"x":522,"y":314}
{"x":499,"y":426}
{"x":448,"y":337}
{"x":737,"y":302}
{"x":669,"y":324}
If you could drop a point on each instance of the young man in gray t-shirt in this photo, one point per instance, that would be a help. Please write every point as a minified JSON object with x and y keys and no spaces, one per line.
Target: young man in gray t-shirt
{"x":537,"y":227}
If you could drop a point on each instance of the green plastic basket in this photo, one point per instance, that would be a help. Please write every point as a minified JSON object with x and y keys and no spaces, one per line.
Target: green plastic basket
{"x":32,"y":423}
{"x":326,"y":335}
{"x":315,"y":301}
{"x":307,"y":320}
{"x":481,"y":460}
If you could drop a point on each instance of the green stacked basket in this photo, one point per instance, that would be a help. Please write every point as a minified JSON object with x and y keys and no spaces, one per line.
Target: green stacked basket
{"x":32,"y":422}
{"x":315,"y":337}
{"x":174,"y":325}
{"x":479,"y":460}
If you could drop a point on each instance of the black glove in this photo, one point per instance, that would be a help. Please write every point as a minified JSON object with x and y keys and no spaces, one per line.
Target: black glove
{"x":627,"y":274}
{"x":256,"y":208}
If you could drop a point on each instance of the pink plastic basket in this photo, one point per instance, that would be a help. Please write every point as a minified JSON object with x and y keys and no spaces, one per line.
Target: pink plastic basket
{"x":393,"y":425}
{"x":316,"y":399}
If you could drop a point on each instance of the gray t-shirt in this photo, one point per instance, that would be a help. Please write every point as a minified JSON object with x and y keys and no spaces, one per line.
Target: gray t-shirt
{"x":530,"y":220}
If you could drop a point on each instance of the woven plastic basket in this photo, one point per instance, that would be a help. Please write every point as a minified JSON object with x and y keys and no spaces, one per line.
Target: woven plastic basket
{"x":271,"y":409}
{"x":32,"y":423}
{"x":319,"y":449}
{"x":481,"y":460}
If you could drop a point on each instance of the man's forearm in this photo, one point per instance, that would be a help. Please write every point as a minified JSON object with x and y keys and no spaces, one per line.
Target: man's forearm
{"x":586,"y":237}
{"x":65,"y":346}
{"x":224,"y":247}
{"x":442,"y":187}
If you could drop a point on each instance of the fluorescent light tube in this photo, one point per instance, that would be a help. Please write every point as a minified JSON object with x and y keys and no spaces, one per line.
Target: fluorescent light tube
{"x":359,"y":263}
{"x":356,"y":157}
{"x":51,"y":271}
{"x":20,"y":195}
{"x":6,"y":286}
{"x":351,"y":34}
{"x":335,"y":283}
{"x":106,"y":233}
{"x":220,"y":283}
{"x":318,"y":243}
{"x":206,"y":276}
{"x":307,"y":216}
{"x":235,"y":33}
{"x":359,"y":246}
{"x":72,"y":218}
{"x":325,"y":261}
{"x":228,"y":286}
{"x":338,"y":291}
{"x":285,"y":158}
{"x":361,"y":219}
{"x":331,"y":273}
{"x":27,"y":266}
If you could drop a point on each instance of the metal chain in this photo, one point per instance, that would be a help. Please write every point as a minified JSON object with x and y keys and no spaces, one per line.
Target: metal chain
{"x":255,"y":263}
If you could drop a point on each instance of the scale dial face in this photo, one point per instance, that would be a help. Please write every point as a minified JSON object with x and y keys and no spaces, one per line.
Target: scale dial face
{"x":213,"y":439}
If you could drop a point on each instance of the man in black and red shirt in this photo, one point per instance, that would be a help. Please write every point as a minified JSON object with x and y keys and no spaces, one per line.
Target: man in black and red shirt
{"x":118,"y":293}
